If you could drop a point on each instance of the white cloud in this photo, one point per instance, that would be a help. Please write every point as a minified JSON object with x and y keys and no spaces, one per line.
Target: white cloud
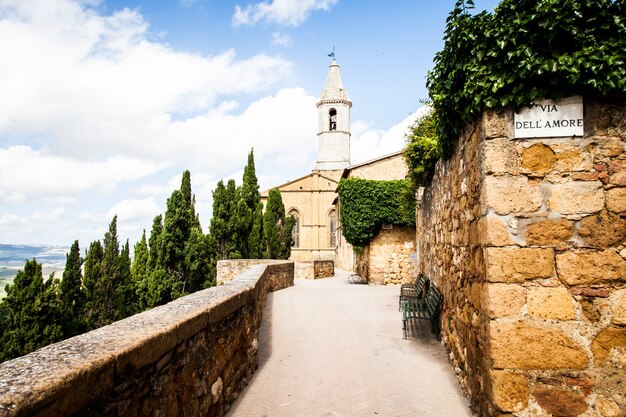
{"x":134,"y":209}
{"x":34,"y":172}
{"x":90,"y":84}
{"x":280,"y":39}
{"x":283,"y":12}
{"x":47,"y":216}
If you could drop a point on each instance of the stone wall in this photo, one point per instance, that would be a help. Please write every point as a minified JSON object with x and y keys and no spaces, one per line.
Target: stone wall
{"x":526,"y":238}
{"x":392,"y":256}
{"x":323,"y":269}
{"x":190,"y":357}
{"x":230,"y":268}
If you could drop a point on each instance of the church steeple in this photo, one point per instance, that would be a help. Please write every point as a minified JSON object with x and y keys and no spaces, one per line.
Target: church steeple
{"x":333,"y":137}
{"x":334,"y":87}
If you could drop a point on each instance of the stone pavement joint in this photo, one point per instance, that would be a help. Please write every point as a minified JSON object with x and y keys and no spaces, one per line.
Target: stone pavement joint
{"x":335,"y":349}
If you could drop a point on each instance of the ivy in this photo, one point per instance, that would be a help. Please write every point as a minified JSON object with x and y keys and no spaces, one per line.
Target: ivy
{"x":365,"y":205}
{"x":525,"y":50}
{"x":422,"y":150}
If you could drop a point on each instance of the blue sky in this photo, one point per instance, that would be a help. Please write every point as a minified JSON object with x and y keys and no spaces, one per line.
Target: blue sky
{"x":104,"y":103}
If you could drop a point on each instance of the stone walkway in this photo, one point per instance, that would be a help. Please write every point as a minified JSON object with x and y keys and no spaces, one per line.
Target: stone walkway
{"x":330,"y":348}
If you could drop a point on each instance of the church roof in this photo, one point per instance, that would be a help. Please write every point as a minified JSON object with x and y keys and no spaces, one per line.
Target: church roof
{"x":333,"y":90}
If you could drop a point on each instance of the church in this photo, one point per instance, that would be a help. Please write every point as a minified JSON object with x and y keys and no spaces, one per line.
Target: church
{"x":312,"y":198}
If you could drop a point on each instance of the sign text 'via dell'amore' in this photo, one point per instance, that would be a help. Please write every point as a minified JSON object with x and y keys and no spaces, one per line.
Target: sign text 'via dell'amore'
{"x":551,"y":118}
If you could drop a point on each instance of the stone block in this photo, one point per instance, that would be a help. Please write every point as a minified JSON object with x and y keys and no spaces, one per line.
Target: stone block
{"x":500,"y":157}
{"x":514,"y":265}
{"x":603,"y":230}
{"x":493,"y":232}
{"x":503,"y":300}
{"x":549,"y":232}
{"x":619,"y":178}
{"x":511,"y":195}
{"x":609,"y":147}
{"x":573,"y":160}
{"x":616,"y":200}
{"x":508,"y":390}
{"x":496,"y":125}
{"x":609,"y":408}
{"x":577,"y":197}
{"x":585,"y":268}
{"x":550,"y":303}
{"x":538,"y":158}
{"x":618,"y":306}
{"x":605,"y":340}
{"x":524,"y":346}
{"x":560,"y":402}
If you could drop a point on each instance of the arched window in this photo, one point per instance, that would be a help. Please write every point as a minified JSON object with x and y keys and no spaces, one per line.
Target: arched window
{"x":332,"y":120}
{"x":332,"y":228}
{"x":295,"y":233}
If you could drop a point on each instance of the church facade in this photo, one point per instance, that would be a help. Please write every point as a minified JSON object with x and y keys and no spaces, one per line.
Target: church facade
{"x":311,"y":199}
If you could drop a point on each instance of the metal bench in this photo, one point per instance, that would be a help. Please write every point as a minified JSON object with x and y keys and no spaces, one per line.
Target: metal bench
{"x":426,"y":308}
{"x":412,"y":290}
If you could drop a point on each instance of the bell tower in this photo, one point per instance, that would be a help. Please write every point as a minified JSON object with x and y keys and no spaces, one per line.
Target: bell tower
{"x":333,"y":132}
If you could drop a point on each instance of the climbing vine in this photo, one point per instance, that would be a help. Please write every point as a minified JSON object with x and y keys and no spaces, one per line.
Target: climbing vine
{"x":365,"y":205}
{"x":524,"y":50}
{"x":422,"y":150}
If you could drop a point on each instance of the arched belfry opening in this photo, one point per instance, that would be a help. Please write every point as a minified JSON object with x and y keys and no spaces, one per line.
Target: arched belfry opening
{"x":332,"y":120}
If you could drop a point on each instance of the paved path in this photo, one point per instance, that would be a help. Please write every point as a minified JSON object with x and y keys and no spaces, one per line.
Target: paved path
{"x":330,"y":348}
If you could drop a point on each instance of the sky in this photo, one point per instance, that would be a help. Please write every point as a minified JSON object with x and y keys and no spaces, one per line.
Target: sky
{"x":103,"y":104}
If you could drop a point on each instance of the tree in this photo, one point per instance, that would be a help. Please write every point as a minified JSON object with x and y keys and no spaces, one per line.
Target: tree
{"x":33,"y":312}
{"x":155,"y":233}
{"x":277,"y":228}
{"x":72,"y":294}
{"x":125,"y":301}
{"x":179,"y":261}
{"x":139,"y":270}
{"x":93,"y":275}
{"x":250,"y":218}
{"x":222,"y":224}
{"x":107,"y":282}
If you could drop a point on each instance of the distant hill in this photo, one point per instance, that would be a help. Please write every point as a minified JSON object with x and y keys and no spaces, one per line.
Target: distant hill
{"x":12,"y":258}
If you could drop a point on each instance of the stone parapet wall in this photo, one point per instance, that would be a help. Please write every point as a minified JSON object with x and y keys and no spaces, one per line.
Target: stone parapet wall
{"x":323,"y":269}
{"x":230,"y":268}
{"x":189,"y":357}
{"x":526,"y":237}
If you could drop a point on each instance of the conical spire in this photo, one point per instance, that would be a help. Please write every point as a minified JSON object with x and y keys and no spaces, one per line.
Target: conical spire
{"x":333,"y":90}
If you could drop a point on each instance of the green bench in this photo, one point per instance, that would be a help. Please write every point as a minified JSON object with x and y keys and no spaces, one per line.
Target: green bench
{"x":425,"y":308}
{"x":412,"y":291}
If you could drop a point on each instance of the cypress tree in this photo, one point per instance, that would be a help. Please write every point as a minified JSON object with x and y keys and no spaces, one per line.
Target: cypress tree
{"x":102,"y":298}
{"x":125,"y":301}
{"x":222,"y":228}
{"x":33,"y":312}
{"x":153,"y":242}
{"x":93,"y":275}
{"x":139,"y":270}
{"x":255,"y":239}
{"x":277,"y":228}
{"x":72,"y":294}
{"x":249,"y":213}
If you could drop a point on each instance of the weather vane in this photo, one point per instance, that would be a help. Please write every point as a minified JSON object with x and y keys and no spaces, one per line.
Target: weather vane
{"x":332,"y":54}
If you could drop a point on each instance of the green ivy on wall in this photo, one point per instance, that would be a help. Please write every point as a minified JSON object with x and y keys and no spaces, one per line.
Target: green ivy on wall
{"x":524,"y":50}
{"x":422,"y":150}
{"x":365,"y":205}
